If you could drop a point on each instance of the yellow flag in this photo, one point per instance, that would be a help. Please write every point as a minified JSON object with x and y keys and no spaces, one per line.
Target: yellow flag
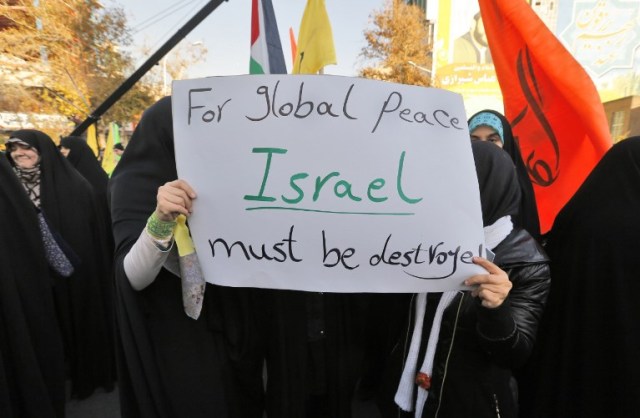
{"x":109,"y":158}
{"x":92,"y":140}
{"x":183,"y":239}
{"x":315,"y":40}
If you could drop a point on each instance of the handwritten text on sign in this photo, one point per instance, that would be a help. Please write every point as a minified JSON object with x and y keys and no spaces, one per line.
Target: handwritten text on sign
{"x":326,"y":183}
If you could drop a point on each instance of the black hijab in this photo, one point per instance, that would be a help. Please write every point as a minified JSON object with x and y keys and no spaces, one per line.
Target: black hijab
{"x":85,"y":162}
{"x":83,"y":301}
{"x":31,"y":354}
{"x":499,"y":189}
{"x":82,"y":159}
{"x":588,"y":355}
{"x":527,"y":217}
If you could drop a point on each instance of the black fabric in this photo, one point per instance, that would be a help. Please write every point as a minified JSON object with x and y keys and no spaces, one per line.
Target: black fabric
{"x":312,"y":374}
{"x":84,"y":160}
{"x":384,"y":312}
{"x":84,"y":300}
{"x":527,"y":217}
{"x":479,"y":348}
{"x":169,"y":364}
{"x":499,"y":191}
{"x":31,"y":352}
{"x":588,"y":356}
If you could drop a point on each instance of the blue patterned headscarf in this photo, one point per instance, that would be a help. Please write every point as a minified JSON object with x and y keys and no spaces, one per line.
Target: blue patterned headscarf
{"x":487,"y":119}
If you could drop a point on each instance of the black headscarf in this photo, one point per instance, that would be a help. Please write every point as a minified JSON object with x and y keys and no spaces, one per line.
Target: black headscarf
{"x":588,"y":355}
{"x":499,"y":189}
{"x":85,"y":162}
{"x":31,"y":354}
{"x":84,"y":300}
{"x":83,"y":159}
{"x":527,"y":217}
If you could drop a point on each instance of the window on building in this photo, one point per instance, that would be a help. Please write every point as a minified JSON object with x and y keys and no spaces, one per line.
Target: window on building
{"x":617,"y":125}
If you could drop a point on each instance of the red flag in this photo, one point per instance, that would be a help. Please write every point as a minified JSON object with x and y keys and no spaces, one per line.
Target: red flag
{"x":550,"y":100}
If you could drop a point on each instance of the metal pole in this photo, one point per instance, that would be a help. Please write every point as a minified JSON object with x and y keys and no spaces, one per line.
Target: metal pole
{"x":144,"y":68}
{"x":164,"y":76}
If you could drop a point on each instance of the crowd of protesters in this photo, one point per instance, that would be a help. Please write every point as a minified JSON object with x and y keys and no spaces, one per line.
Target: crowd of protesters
{"x":93,"y":285}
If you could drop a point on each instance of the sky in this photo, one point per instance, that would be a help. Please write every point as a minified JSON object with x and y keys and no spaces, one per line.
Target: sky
{"x":226,"y":31}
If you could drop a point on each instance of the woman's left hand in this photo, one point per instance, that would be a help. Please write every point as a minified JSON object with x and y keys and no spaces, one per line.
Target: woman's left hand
{"x":492,"y":288}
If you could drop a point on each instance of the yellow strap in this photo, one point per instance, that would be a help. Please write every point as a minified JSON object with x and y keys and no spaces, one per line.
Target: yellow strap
{"x":182,"y":237}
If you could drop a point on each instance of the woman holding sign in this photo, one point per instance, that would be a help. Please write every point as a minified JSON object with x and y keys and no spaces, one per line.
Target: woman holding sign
{"x":457,"y":355}
{"x":187,"y":349}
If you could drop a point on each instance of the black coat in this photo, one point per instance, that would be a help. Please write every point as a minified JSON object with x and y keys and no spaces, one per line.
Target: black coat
{"x":32,"y":381}
{"x":83,"y":301}
{"x":587,"y":361}
{"x":479,"y":348}
{"x":82,"y":159}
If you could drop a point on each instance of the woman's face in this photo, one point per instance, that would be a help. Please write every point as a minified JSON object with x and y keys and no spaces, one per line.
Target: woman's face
{"x":64,"y":151}
{"x":485,"y":133}
{"x":24,"y":156}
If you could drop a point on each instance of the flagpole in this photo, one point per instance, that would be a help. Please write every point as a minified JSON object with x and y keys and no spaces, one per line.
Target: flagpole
{"x":144,"y":68}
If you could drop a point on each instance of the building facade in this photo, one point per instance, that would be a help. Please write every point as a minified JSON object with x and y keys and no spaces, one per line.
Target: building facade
{"x":623,"y":116}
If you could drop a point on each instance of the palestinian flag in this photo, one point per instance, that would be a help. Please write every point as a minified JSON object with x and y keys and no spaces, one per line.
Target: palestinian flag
{"x":266,"y":50}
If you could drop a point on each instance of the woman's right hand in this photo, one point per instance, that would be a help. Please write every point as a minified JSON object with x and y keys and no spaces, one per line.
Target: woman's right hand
{"x":174,"y":198}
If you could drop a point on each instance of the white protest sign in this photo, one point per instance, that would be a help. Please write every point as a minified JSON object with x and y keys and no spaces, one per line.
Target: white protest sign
{"x":328,"y":183}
